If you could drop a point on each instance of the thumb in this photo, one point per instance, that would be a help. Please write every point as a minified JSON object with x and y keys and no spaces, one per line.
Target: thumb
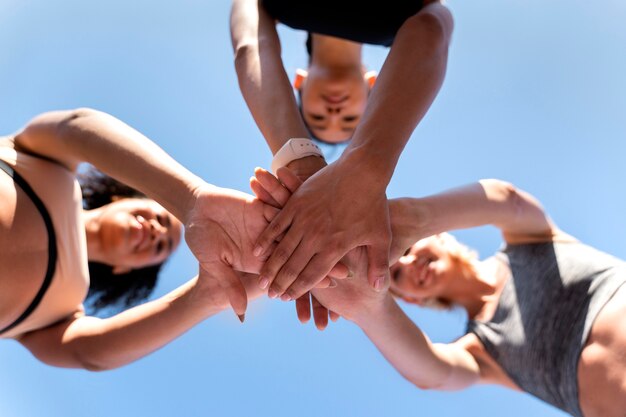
{"x":378,"y":265}
{"x":231,"y":284}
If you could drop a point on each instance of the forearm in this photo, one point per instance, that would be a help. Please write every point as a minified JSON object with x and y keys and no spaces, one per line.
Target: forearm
{"x":262,"y":78}
{"x":86,"y":135}
{"x":488,"y":202}
{"x":408,"y":350}
{"x":102,"y":344}
{"x":406,"y":87}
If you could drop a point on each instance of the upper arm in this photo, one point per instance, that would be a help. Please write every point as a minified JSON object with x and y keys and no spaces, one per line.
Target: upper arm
{"x":522,"y":219}
{"x":250,"y":24}
{"x":44,"y":136}
{"x":53,"y":345}
{"x":433,"y":24}
{"x":463,"y":369}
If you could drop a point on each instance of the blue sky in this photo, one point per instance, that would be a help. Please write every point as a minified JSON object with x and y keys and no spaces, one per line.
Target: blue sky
{"x":535,"y":94}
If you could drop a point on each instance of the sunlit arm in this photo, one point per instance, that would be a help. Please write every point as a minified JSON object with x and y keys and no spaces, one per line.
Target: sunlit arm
{"x":262,"y":77}
{"x":427,"y":365}
{"x":102,"y":344}
{"x":408,"y":83}
{"x":85,"y":135}
{"x":519,"y":216}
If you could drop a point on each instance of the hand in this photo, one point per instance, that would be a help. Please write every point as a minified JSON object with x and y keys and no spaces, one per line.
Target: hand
{"x":271,"y":191}
{"x":220,"y":229}
{"x":334,"y":211}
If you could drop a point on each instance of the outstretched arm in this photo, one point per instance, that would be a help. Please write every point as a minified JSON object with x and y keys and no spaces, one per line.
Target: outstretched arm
{"x":221,"y":225}
{"x":344,"y":205}
{"x":519,"y":216}
{"x":101,"y":344}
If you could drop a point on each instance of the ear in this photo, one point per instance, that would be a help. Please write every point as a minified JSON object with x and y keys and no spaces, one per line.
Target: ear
{"x":299,"y":78}
{"x":370,"y":77}
{"x":119,"y":270}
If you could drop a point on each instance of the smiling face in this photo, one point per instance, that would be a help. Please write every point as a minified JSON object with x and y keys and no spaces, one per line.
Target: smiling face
{"x":137,"y":232}
{"x":429,"y":268}
{"x":332,"y":104}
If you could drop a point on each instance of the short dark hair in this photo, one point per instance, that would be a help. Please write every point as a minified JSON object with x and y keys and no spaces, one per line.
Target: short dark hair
{"x":111,"y":293}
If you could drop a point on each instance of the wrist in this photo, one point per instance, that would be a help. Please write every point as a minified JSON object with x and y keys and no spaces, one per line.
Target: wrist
{"x":367,"y":318}
{"x":293,"y":150}
{"x":307,"y":166}
{"x":367,"y":164}
{"x":409,"y":221}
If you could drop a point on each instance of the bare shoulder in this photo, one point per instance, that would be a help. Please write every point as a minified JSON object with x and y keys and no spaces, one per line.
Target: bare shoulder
{"x":490,"y":371}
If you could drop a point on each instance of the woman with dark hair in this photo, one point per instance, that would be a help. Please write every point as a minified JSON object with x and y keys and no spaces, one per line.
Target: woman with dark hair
{"x":110,"y":289}
{"x":341,"y":206}
{"x":47,"y":241}
{"x":547,"y":313}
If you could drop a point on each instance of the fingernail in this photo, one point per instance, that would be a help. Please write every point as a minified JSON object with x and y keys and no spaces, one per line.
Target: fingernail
{"x":333,"y":283}
{"x":257,"y":251}
{"x":272,"y":293}
{"x":285,"y":297}
{"x":350,"y":273}
{"x":263,"y":282}
{"x":378,"y":284}
{"x":242,"y":317}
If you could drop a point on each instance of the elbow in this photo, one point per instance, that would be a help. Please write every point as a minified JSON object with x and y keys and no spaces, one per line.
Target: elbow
{"x":432,"y":27}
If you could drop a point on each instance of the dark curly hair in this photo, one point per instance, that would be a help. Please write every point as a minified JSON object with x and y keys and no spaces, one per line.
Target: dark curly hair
{"x":110,"y":293}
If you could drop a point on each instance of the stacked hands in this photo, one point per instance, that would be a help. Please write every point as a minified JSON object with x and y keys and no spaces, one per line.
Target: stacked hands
{"x":287,"y":235}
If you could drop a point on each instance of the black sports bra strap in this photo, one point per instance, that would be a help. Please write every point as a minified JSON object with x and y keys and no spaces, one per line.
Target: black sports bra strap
{"x":52,"y":247}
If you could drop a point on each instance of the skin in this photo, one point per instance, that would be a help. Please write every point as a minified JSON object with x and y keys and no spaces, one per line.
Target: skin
{"x":131,"y":233}
{"x":221,"y":226}
{"x":429,"y":270}
{"x":341,"y":206}
{"x":334,"y":91}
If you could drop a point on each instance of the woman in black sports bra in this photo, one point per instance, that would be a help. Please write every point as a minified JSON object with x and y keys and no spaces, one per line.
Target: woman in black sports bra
{"x":46,"y":240}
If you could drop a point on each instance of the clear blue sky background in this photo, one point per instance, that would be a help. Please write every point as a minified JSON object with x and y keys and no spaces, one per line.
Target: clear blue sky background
{"x":535,"y":94}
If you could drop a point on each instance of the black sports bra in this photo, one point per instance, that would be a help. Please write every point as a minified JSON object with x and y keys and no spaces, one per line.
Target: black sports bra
{"x":52,"y":247}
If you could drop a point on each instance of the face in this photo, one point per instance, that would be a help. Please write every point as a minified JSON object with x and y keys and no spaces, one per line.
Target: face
{"x":137,"y":232}
{"x":332,"y":104}
{"x":424,"y":271}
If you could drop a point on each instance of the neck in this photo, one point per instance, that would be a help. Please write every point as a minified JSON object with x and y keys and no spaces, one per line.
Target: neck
{"x":334,"y":53}
{"x":91,"y":219}
{"x":479,"y":291}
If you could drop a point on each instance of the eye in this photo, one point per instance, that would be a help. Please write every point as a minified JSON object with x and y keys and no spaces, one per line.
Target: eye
{"x":349,"y":119}
{"x":316,"y":117}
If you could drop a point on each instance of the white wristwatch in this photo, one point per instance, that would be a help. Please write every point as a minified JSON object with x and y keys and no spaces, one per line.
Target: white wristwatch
{"x":296,"y":148}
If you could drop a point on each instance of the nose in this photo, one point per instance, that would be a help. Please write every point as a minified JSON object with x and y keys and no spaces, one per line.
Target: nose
{"x":157,"y":230}
{"x":334,"y":109}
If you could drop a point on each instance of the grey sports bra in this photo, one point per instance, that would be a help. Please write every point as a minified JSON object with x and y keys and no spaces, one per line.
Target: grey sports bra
{"x":545,"y":313}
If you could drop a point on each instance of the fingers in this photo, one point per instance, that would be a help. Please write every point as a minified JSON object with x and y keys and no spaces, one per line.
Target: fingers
{"x":303,"y":308}
{"x":289,"y":179}
{"x":289,"y":272}
{"x":272,"y":232}
{"x":333,"y":316}
{"x":340,"y":271}
{"x":378,"y":265}
{"x":231,"y":285}
{"x":279,"y":256}
{"x":320,"y":314}
{"x":315,"y":271}
{"x":272,"y":186}
{"x":262,"y":194}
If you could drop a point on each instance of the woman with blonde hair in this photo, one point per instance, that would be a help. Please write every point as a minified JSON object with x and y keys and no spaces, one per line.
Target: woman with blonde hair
{"x":547,"y":313}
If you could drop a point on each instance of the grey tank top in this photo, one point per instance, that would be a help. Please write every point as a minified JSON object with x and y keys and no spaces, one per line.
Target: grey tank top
{"x":545,"y":313}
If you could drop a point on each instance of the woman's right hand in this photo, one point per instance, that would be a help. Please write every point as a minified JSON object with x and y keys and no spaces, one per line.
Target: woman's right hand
{"x":220,"y":229}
